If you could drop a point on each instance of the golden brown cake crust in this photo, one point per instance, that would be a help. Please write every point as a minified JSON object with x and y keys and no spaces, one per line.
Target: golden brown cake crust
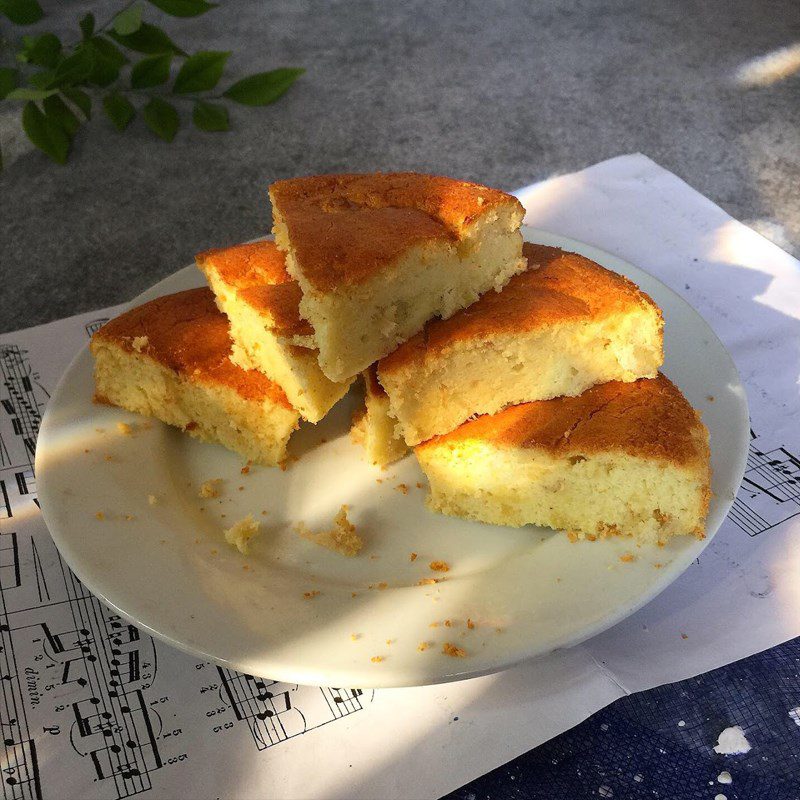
{"x":346,"y":228}
{"x":257,"y":270}
{"x":187,"y":333}
{"x":558,"y":286}
{"x":648,"y":418}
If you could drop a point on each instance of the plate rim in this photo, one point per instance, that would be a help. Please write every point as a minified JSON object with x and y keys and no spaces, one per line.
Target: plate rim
{"x":623,"y":610}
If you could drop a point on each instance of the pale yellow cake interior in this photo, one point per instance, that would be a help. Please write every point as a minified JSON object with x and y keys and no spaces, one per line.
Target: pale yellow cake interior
{"x":375,"y":429}
{"x":286,"y":360}
{"x":257,"y":429}
{"x":481,"y":377}
{"x":605,"y":494}
{"x":355,"y":325}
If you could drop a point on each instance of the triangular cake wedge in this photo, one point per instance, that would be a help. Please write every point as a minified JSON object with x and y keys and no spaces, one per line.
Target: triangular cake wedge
{"x":628,"y":459}
{"x":169,"y":359}
{"x":374,"y":428}
{"x":560,"y":327}
{"x":261,"y":300}
{"x":377,"y":255}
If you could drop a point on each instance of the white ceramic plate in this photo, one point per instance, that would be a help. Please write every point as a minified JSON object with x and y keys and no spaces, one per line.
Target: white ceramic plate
{"x":169,"y":571}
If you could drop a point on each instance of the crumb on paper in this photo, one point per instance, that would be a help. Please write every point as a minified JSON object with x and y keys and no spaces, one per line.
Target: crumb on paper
{"x":439,"y":566}
{"x":341,"y":538}
{"x":402,"y":488}
{"x":100,"y":515}
{"x":139,"y":343}
{"x":378,"y":480}
{"x":423,"y":646}
{"x":732,"y":742}
{"x":684,"y":636}
{"x":626,"y":558}
{"x":390,"y":641}
{"x":210,"y":488}
{"x":311,"y":595}
{"x":412,"y":557}
{"x":453,"y":651}
{"x":152,"y":500}
{"x":376,"y":659}
{"x":354,"y":637}
{"x":470,"y":624}
{"x":241,"y":532}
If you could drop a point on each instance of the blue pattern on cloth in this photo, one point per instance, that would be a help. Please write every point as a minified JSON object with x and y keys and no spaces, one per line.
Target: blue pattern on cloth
{"x":635,"y":749}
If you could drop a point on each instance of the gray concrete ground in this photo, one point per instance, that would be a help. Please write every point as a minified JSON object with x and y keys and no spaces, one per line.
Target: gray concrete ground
{"x":504,"y":93}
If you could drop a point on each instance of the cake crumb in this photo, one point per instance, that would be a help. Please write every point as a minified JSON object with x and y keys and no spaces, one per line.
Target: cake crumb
{"x":241,"y":488}
{"x":245,"y":470}
{"x":100,"y":515}
{"x":658,"y":565}
{"x":378,"y":480}
{"x":470,"y":624}
{"x":383,"y":585}
{"x":423,"y":646}
{"x":214,"y":551}
{"x":390,"y":642}
{"x":376,"y":659}
{"x":420,"y":485}
{"x":710,"y":398}
{"x":626,"y":558}
{"x":373,"y":557}
{"x":342,"y":538}
{"x":434,"y":625}
{"x":210,"y":488}
{"x":152,"y":500}
{"x":402,"y":487}
{"x":86,"y":450}
{"x":108,"y":457}
{"x":439,"y":566}
{"x":451,"y":650}
{"x":572,"y":536}
{"x":353,"y":594}
{"x":139,"y":343}
{"x":245,"y":566}
{"x":129,"y":517}
{"x":684,"y":636}
{"x":412,"y":557}
{"x":311,"y":595}
{"x":448,"y":623}
{"x":241,"y":532}
{"x":426,"y":581}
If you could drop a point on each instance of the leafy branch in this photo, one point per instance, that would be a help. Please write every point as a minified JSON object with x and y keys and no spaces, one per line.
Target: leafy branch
{"x":126,"y":64}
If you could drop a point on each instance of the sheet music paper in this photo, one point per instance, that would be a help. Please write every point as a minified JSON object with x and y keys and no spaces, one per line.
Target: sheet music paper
{"x":90,"y":707}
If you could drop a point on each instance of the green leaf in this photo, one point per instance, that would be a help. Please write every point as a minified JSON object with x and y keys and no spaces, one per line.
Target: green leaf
{"x":24,"y":93}
{"x":162,"y":118}
{"x":119,"y":110}
{"x":148,"y":39}
{"x":129,"y":20}
{"x":46,"y":133}
{"x":151,"y":71}
{"x":57,"y":109}
{"x":108,"y":60}
{"x":44,"y":50}
{"x":21,"y":12}
{"x":210,"y":116}
{"x":87,"y":25}
{"x":263,"y":87}
{"x":76,"y":67}
{"x":80,"y":99}
{"x":8,"y":81}
{"x":200,"y":72}
{"x":42,"y":80}
{"x":183,"y":8}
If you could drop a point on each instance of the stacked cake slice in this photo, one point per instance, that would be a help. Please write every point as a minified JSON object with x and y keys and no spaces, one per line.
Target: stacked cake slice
{"x":525,"y":378}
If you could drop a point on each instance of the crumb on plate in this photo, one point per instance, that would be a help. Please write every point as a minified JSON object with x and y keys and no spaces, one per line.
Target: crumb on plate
{"x":210,"y":488}
{"x":341,"y":538}
{"x":439,"y":566}
{"x":241,"y":532}
{"x":451,"y":650}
